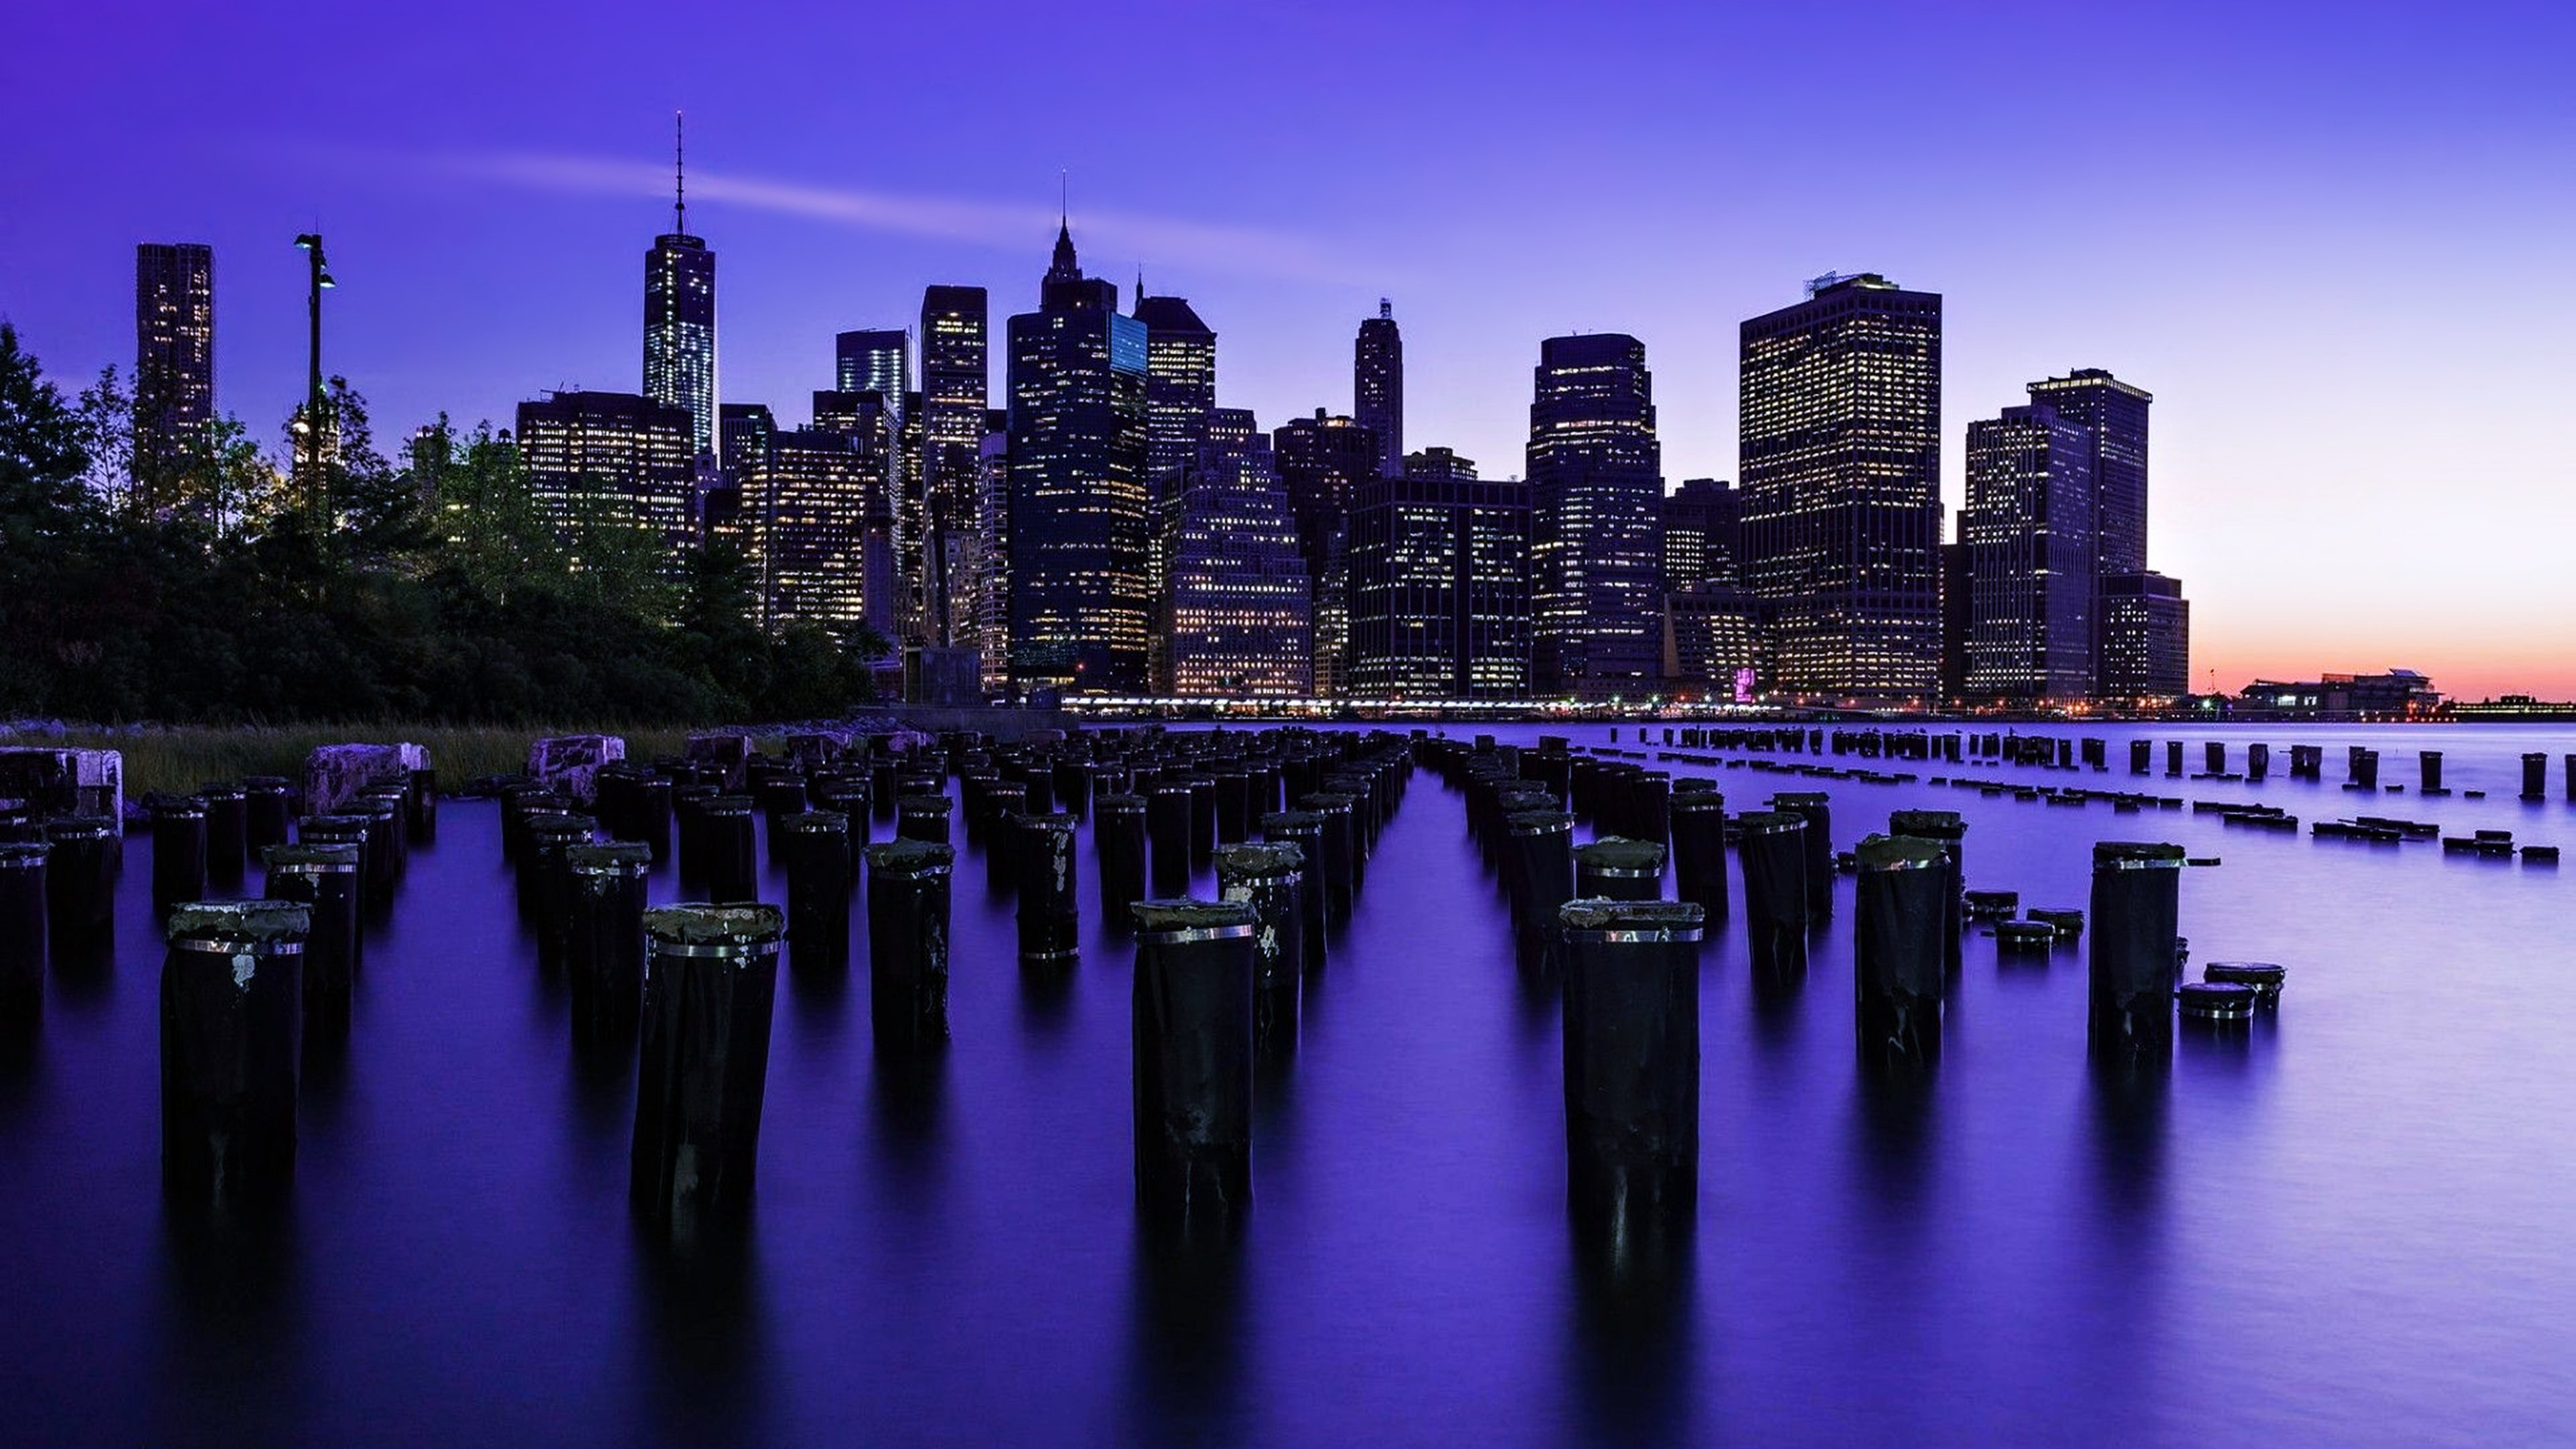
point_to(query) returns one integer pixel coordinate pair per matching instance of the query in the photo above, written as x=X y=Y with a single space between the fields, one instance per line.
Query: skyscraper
x=811 y=491
x=955 y=388
x=743 y=431
x=608 y=460
x=1180 y=389
x=1077 y=486
x=1702 y=519
x=1237 y=617
x=2115 y=414
x=2146 y=633
x=1322 y=461
x=174 y=362
x=1840 y=459
x=877 y=360
x=1439 y=583
x=680 y=323
x=1596 y=494
x=1377 y=386
x=2029 y=532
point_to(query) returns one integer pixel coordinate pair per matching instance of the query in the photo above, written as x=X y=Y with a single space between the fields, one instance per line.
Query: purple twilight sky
x=2332 y=238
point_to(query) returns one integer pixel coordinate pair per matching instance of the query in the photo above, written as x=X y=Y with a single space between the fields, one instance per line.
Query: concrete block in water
x=569 y=764
x=335 y=774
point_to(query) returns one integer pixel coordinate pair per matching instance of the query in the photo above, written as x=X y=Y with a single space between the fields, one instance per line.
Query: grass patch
x=184 y=758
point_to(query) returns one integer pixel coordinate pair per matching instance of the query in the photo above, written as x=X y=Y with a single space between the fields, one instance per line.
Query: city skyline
x=2294 y=424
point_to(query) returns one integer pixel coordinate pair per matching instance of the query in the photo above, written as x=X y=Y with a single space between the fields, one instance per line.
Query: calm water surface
x=2357 y=1227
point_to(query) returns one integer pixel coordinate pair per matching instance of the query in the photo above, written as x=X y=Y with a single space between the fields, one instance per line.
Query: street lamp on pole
x=317 y=500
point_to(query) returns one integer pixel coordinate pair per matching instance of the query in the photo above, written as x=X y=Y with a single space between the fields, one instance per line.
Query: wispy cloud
x=1194 y=245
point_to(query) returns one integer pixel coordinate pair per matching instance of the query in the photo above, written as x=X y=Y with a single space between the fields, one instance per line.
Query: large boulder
x=726 y=750
x=570 y=763
x=334 y=774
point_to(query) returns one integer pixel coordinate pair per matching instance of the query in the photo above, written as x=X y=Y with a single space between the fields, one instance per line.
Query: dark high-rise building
x=1701 y=524
x=680 y=326
x=1439 y=584
x=1180 y=389
x=174 y=362
x=1322 y=461
x=1237 y=614
x=1840 y=462
x=873 y=360
x=1596 y=497
x=1077 y=487
x=2115 y=414
x=1377 y=385
x=1958 y=595
x=955 y=392
x=610 y=459
x=2029 y=531
x=811 y=490
x=743 y=431
x=992 y=554
x=2146 y=632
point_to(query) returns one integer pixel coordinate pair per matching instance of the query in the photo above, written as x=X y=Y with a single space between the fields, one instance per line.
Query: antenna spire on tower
x=679 y=176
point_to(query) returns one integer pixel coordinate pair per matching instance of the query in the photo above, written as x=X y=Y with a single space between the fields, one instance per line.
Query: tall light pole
x=317 y=500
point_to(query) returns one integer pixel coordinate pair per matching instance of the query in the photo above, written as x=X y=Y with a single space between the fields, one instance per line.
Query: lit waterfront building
x=1596 y=497
x=870 y=419
x=2146 y=638
x=1322 y=462
x=1180 y=389
x=1439 y=583
x=991 y=580
x=1377 y=385
x=955 y=394
x=174 y=364
x=1701 y=524
x=1238 y=618
x=2114 y=415
x=1712 y=641
x=610 y=459
x=811 y=491
x=680 y=325
x=1076 y=535
x=1839 y=457
x=2028 y=527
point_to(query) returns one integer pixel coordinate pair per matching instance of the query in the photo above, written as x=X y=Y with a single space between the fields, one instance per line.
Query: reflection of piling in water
x=1615 y=868
x=1191 y=1047
x=1631 y=1027
x=816 y=847
x=1901 y=951
x=1118 y=849
x=908 y=890
x=1304 y=829
x=1699 y=851
x=23 y=908
x=232 y=989
x=324 y=879
x=604 y=935
x=1771 y=850
x=1540 y=876
x=710 y=979
x=1050 y=917
x=1816 y=808
x=2135 y=919
x=1268 y=878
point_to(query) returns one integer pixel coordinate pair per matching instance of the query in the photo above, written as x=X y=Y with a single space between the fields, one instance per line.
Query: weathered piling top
x=306 y=857
x=256 y=923
x=1619 y=855
x=1291 y=820
x=1263 y=861
x=910 y=857
x=1600 y=920
x=1539 y=822
x=1927 y=824
x=1173 y=922
x=817 y=822
x=1769 y=822
x=2136 y=855
x=699 y=923
x=615 y=857
x=1900 y=852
